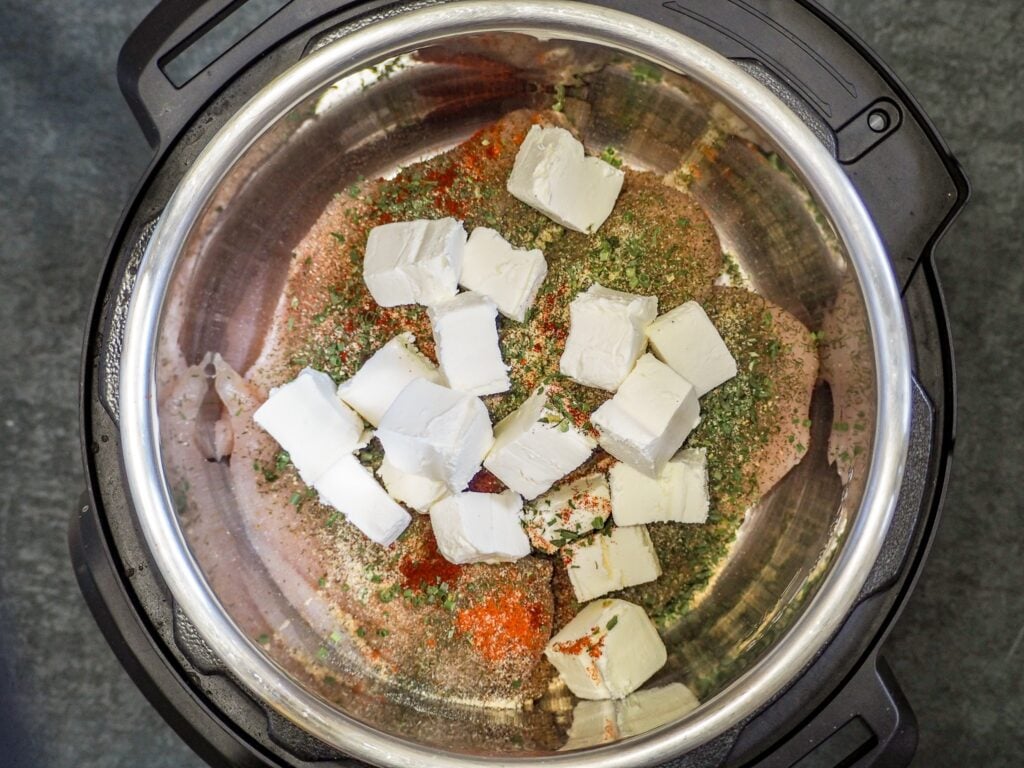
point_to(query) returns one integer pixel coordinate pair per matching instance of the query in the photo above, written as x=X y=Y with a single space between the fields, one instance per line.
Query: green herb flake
x=611 y=623
x=611 y=156
x=646 y=73
x=559 y=103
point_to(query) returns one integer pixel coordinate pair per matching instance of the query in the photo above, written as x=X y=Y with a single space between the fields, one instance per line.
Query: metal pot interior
x=230 y=277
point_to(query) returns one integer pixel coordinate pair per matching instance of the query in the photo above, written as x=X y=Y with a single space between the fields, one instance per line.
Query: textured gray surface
x=69 y=156
x=959 y=648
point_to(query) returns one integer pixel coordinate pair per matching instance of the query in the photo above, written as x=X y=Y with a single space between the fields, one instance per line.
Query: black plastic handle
x=162 y=108
x=170 y=27
x=890 y=151
x=868 y=725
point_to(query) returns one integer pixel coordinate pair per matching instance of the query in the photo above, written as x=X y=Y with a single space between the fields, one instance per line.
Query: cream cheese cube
x=604 y=563
x=607 y=651
x=534 y=448
x=553 y=175
x=638 y=499
x=480 y=528
x=306 y=418
x=698 y=496
x=646 y=710
x=466 y=337
x=510 y=277
x=602 y=722
x=376 y=385
x=350 y=488
x=414 y=491
x=649 y=418
x=607 y=334
x=568 y=512
x=414 y=262
x=593 y=723
x=591 y=570
x=633 y=553
x=688 y=342
x=436 y=432
x=679 y=494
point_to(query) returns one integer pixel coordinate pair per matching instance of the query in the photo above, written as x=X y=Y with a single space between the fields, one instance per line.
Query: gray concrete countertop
x=70 y=154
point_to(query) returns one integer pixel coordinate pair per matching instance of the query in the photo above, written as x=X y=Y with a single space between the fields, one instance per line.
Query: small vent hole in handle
x=868 y=129
x=215 y=39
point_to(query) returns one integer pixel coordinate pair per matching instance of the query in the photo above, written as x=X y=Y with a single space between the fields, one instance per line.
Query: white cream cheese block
x=608 y=650
x=509 y=276
x=649 y=418
x=594 y=722
x=436 y=432
x=553 y=175
x=534 y=447
x=568 y=512
x=480 y=528
x=414 y=491
x=605 y=562
x=688 y=342
x=602 y=722
x=651 y=708
x=679 y=494
x=466 y=337
x=607 y=334
x=350 y=488
x=377 y=383
x=306 y=418
x=414 y=262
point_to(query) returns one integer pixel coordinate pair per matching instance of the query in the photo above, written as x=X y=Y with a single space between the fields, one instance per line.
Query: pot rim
x=151 y=496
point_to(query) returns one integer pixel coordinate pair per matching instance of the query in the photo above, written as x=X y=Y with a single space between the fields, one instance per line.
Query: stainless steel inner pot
x=368 y=100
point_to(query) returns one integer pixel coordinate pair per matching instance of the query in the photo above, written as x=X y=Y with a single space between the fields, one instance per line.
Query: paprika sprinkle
x=505 y=625
x=429 y=569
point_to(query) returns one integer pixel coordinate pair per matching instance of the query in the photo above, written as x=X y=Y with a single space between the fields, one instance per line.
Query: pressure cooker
x=252 y=135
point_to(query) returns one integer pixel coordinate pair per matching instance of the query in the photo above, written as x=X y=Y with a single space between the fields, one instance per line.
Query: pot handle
x=185 y=51
x=887 y=146
x=870 y=724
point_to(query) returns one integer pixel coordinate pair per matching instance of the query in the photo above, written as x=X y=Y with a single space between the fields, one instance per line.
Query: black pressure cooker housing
x=903 y=171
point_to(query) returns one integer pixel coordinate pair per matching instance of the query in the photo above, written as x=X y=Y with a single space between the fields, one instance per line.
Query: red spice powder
x=583 y=644
x=429 y=568
x=505 y=626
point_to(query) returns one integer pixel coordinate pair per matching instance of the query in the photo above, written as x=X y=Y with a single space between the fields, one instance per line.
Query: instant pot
x=829 y=189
